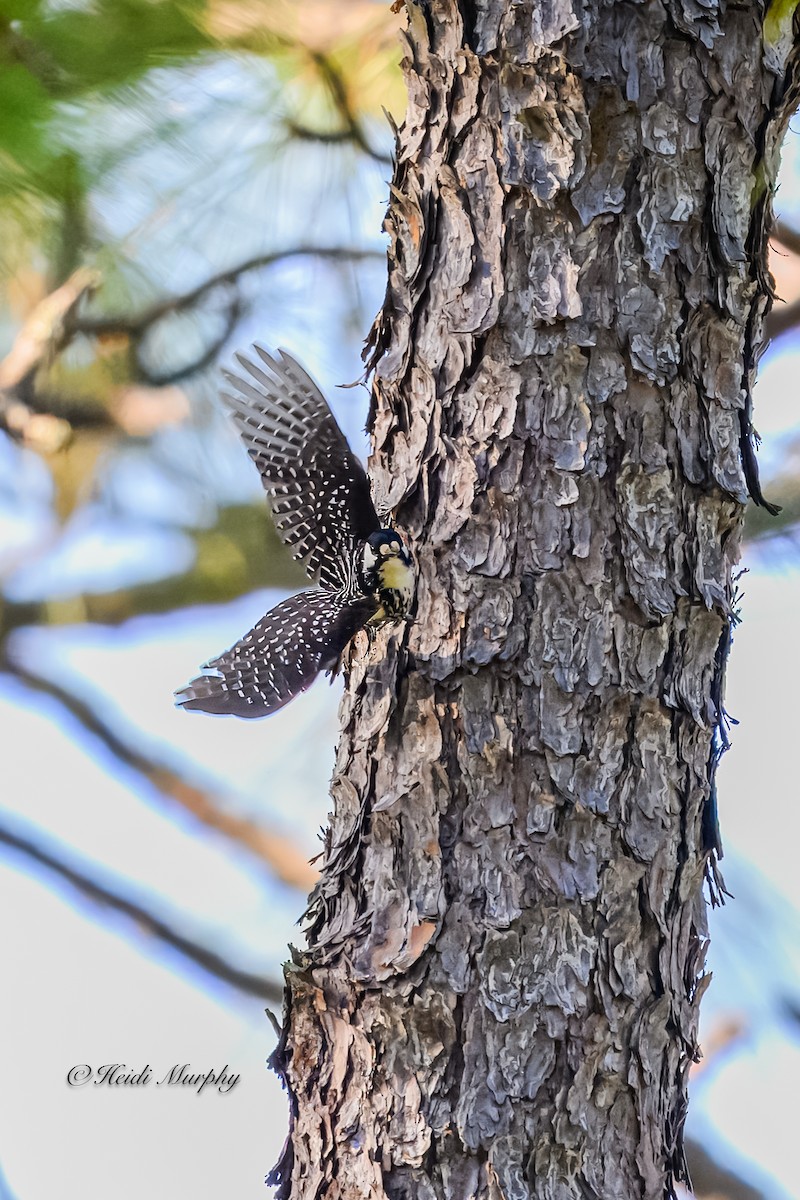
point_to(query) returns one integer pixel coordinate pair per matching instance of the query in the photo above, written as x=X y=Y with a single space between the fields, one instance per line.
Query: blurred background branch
x=272 y=851
x=146 y=921
x=178 y=177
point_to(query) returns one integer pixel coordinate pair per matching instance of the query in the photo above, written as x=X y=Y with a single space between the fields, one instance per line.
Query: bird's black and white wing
x=317 y=489
x=280 y=657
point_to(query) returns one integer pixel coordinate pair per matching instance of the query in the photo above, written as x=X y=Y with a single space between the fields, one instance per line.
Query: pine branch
x=148 y=922
x=138 y=325
x=277 y=853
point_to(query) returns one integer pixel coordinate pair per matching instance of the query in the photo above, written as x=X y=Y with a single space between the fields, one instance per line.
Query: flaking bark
x=506 y=948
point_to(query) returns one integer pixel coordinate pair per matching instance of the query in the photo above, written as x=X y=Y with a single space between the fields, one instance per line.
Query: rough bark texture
x=505 y=962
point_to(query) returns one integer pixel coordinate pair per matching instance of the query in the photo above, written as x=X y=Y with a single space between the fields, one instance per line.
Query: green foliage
x=106 y=44
x=85 y=89
x=48 y=59
x=26 y=108
x=161 y=143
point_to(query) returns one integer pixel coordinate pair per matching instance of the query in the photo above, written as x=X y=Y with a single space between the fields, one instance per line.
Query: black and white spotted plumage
x=317 y=489
x=281 y=656
x=319 y=496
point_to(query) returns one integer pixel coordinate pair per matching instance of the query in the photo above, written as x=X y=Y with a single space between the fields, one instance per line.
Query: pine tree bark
x=500 y=994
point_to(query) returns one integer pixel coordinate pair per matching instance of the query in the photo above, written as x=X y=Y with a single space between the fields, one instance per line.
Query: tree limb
x=256 y=560
x=710 y=1178
x=784 y=317
x=205 y=359
x=327 y=137
x=133 y=325
x=214 y=964
x=353 y=130
x=278 y=853
x=789 y=238
x=55 y=321
x=41 y=336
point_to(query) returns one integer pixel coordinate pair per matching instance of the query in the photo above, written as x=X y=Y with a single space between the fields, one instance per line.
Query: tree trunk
x=500 y=994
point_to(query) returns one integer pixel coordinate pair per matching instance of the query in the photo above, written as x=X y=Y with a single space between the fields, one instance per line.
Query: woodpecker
x=319 y=496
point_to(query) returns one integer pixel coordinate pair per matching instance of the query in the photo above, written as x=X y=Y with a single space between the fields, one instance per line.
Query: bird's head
x=384 y=545
x=387 y=570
